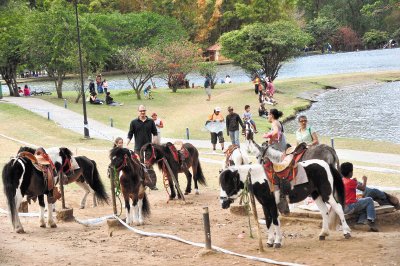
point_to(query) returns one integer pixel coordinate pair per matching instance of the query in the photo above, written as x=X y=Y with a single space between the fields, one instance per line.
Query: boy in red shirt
x=364 y=206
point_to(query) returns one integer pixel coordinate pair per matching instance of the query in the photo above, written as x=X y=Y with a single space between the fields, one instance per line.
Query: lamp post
x=85 y=122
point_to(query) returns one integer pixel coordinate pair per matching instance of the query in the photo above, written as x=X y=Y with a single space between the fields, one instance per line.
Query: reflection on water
x=368 y=113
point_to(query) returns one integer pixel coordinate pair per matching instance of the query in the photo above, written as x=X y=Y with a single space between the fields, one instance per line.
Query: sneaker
x=372 y=226
x=154 y=188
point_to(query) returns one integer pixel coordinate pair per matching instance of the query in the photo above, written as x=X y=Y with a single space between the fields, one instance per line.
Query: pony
x=87 y=176
x=154 y=153
x=324 y=185
x=22 y=178
x=132 y=176
x=236 y=157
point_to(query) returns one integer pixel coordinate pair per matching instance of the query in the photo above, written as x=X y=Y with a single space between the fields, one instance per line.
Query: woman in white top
x=306 y=134
x=276 y=137
x=159 y=125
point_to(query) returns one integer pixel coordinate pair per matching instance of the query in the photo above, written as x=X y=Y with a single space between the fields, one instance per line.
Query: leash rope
x=245 y=198
x=117 y=187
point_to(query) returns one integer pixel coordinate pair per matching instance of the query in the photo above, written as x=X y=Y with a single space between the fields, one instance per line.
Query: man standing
x=207 y=87
x=142 y=128
x=216 y=126
x=232 y=126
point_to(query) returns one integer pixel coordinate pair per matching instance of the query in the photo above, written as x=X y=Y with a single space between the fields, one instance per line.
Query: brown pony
x=153 y=153
x=132 y=179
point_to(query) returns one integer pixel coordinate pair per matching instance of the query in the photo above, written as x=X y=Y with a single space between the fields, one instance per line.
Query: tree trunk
x=59 y=82
x=10 y=77
x=138 y=96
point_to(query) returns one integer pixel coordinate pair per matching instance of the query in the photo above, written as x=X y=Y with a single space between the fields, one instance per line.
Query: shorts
x=208 y=91
x=214 y=136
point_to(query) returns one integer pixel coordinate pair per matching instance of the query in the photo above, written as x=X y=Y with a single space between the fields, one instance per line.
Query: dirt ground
x=74 y=244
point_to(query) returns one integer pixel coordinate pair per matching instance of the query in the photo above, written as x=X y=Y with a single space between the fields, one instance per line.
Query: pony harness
x=228 y=154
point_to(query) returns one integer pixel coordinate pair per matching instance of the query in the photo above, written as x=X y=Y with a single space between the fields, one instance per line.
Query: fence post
x=207 y=231
x=333 y=143
x=48 y=115
x=111 y=122
x=187 y=133
x=65 y=103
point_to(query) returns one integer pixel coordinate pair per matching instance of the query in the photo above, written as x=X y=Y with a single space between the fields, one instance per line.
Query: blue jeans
x=365 y=207
x=377 y=195
x=234 y=135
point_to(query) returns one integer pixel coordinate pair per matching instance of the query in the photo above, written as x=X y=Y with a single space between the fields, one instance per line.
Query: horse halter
x=152 y=158
x=124 y=163
x=236 y=181
x=67 y=162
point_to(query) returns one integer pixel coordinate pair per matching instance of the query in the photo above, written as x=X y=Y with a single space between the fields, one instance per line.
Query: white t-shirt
x=158 y=122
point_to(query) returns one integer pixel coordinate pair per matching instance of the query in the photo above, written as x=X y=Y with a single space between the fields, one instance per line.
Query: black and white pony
x=153 y=153
x=132 y=179
x=86 y=176
x=21 y=178
x=324 y=185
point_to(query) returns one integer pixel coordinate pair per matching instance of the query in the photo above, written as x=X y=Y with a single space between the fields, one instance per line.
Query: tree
x=322 y=29
x=140 y=65
x=179 y=58
x=375 y=39
x=346 y=39
x=12 y=50
x=210 y=69
x=264 y=47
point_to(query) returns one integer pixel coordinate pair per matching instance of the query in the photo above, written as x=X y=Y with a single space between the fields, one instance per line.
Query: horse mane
x=66 y=152
x=27 y=149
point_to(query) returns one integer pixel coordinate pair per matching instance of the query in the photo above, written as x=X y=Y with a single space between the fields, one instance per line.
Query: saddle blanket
x=301 y=176
x=74 y=164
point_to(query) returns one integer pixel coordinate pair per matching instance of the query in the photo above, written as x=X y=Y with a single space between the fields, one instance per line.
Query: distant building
x=213 y=54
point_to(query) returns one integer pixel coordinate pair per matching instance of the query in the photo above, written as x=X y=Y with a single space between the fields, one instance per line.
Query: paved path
x=74 y=121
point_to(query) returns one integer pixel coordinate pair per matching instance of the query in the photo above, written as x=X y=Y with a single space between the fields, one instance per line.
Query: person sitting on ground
x=94 y=100
x=377 y=195
x=262 y=111
x=110 y=100
x=20 y=91
x=147 y=93
x=247 y=117
x=305 y=133
x=269 y=91
x=27 y=91
x=364 y=206
x=228 y=79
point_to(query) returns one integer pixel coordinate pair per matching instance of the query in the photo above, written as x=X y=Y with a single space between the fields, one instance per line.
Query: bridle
x=124 y=163
x=234 y=192
x=152 y=158
x=67 y=162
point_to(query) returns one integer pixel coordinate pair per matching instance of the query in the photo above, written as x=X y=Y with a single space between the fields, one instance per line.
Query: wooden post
x=174 y=179
x=62 y=191
x=207 y=231
x=253 y=207
x=111 y=175
x=333 y=143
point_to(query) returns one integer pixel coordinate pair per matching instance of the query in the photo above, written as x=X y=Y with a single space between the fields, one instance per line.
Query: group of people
x=101 y=84
x=265 y=89
x=26 y=91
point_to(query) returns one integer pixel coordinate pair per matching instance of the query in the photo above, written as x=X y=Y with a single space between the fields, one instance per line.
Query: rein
x=124 y=163
x=152 y=158
x=245 y=198
x=66 y=162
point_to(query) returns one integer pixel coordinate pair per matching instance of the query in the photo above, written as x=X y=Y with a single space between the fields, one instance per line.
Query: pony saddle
x=228 y=153
x=179 y=152
x=287 y=169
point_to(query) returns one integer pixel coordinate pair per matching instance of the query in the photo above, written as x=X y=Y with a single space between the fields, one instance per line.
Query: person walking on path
x=257 y=83
x=305 y=133
x=142 y=128
x=159 y=124
x=216 y=126
x=232 y=126
x=207 y=87
x=364 y=206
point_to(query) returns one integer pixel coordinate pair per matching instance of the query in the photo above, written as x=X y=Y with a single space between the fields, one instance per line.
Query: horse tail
x=96 y=184
x=338 y=187
x=200 y=176
x=338 y=194
x=146 y=206
x=336 y=158
x=10 y=184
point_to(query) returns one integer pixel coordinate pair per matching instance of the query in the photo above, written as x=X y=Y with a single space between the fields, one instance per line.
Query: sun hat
x=217 y=109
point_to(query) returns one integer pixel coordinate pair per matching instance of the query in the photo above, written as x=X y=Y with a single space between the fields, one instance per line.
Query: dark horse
x=153 y=153
x=21 y=178
x=86 y=176
x=132 y=178
x=324 y=185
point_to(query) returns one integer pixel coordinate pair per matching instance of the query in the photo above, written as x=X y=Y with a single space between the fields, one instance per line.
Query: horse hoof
x=53 y=226
x=43 y=225
x=321 y=237
x=270 y=245
x=186 y=193
x=347 y=236
x=197 y=192
x=277 y=245
x=81 y=207
x=20 y=231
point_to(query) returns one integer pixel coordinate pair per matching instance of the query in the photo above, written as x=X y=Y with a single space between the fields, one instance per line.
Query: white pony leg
x=277 y=195
x=140 y=215
x=41 y=217
x=136 y=214
x=85 y=187
x=94 y=198
x=128 y=216
x=278 y=235
x=337 y=207
x=50 y=219
x=18 y=199
x=271 y=236
x=324 y=213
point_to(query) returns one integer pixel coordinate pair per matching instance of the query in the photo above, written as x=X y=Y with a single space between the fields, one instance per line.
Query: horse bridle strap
x=124 y=163
x=152 y=158
x=66 y=162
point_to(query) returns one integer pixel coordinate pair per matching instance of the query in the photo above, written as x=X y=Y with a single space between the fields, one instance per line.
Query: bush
x=375 y=39
x=346 y=39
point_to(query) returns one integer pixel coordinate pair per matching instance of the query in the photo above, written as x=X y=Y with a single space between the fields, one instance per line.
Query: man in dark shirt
x=232 y=126
x=142 y=128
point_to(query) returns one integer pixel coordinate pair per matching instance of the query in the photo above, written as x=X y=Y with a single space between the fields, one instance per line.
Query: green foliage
x=375 y=39
x=264 y=47
x=322 y=29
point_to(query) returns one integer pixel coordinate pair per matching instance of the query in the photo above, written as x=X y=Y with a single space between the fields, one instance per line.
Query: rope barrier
x=94 y=221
